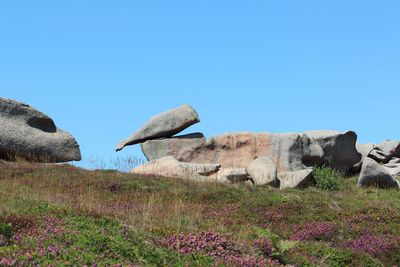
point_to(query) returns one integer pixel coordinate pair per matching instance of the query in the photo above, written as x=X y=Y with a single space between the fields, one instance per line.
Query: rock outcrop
x=340 y=151
x=282 y=160
x=32 y=135
x=374 y=174
x=288 y=151
x=162 y=125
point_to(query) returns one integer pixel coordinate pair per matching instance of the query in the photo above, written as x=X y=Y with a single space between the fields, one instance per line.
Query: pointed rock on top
x=165 y=124
x=32 y=135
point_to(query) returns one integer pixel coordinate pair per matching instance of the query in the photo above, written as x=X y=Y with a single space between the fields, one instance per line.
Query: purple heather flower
x=314 y=231
x=375 y=244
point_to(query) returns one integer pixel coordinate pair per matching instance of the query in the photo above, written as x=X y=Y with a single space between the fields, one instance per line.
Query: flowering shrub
x=375 y=244
x=264 y=245
x=216 y=246
x=314 y=231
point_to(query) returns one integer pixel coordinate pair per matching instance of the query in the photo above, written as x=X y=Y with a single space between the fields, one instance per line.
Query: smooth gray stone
x=394 y=160
x=32 y=135
x=364 y=150
x=295 y=179
x=180 y=145
x=263 y=171
x=385 y=151
x=374 y=174
x=165 y=124
x=393 y=166
x=339 y=149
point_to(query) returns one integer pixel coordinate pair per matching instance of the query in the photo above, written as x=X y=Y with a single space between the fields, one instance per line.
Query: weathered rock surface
x=180 y=147
x=378 y=155
x=339 y=149
x=32 y=135
x=385 y=151
x=393 y=166
x=230 y=175
x=364 y=150
x=263 y=171
x=288 y=151
x=374 y=174
x=170 y=167
x=295 y=179
x=162 y=125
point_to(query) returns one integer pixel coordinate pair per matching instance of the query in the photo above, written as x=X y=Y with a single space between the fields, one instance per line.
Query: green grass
x=108 y=218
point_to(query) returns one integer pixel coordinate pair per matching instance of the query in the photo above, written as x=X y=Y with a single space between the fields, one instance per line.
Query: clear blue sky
x=102 y=68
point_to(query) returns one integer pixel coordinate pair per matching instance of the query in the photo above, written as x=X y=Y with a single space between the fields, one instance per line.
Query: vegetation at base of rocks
x=62 y=215
x=326 y=178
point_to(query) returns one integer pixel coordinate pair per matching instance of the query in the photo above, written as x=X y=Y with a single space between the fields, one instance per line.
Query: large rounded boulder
x=32 y=135
x=340 y=151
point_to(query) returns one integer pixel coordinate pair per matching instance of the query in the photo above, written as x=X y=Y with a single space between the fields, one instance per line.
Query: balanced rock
x=170 y=167
x=295 y=179
x=162 y=125
x=262 y=171
x=339 y=149
x=374 y=174
x=288 y=151
x=32 y=135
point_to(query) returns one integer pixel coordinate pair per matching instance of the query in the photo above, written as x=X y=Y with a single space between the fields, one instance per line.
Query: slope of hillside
x=62 y=215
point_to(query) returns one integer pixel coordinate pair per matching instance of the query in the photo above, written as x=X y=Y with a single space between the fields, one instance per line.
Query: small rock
x=295 y=179
x=262 y=171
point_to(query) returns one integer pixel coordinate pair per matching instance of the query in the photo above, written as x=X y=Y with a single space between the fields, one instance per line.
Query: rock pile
x=29 y=134
x=283 y=160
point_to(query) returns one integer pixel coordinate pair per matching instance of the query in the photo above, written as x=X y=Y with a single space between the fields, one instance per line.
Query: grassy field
x=61 y=215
